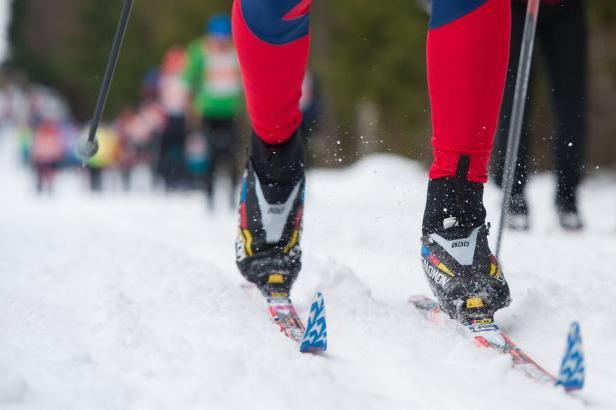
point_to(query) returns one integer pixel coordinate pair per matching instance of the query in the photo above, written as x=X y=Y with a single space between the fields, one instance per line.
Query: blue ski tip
x=315 y=336
x=571 y=375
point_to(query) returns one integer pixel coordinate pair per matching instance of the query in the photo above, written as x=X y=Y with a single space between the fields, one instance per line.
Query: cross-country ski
x=485 y=333
x=312 y=337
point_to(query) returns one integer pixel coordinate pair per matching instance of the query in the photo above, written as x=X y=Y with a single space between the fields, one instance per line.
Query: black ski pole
x=517 y=113
x=87 y=147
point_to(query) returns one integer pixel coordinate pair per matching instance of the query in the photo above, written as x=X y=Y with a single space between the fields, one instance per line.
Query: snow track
x=134 y=302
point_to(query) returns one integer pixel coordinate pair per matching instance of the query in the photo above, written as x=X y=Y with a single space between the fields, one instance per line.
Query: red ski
x=488 y=334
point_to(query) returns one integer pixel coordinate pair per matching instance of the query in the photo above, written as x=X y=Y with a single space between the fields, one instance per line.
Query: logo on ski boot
x=462 y=250
x=436 y=275
x=434 y=268
x=277 y=209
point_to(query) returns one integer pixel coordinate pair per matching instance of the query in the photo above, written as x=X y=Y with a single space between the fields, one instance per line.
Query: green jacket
x=214 y=80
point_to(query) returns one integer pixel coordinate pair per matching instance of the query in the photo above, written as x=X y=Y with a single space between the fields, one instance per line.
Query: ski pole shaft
x=89 y=147
x=517 y=113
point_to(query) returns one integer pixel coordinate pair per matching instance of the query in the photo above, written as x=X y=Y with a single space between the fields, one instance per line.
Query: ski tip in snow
x=571 y=375
x=315 y=337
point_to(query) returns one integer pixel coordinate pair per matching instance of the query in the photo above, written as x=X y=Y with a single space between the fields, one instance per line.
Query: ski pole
x=517 y=113
x=87 y=148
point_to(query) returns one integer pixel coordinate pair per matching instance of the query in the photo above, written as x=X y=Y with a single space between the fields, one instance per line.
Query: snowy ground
x=133 y=302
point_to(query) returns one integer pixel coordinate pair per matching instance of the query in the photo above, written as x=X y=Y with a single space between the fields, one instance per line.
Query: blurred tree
x=602 y=149
x=369 y=54
x=376 y=55
x=69 y=47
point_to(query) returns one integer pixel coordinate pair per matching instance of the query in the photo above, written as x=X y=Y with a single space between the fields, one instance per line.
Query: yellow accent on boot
x=445 y=269
x=493 y=270
x=474 y=303
x=275 y=279
x=248 y=241
x=292 y=242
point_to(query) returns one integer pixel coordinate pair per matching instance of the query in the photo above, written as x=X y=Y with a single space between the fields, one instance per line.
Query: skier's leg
x=467 y=54
x=564 y=42
x=40 y=179
x=518 y=207
x=232 y=158
x=208 y=177
x=272 y=39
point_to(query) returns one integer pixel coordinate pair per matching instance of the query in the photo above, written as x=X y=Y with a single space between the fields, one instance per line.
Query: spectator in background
x=212 y=73
x=562 y=37
x=25 y=138
x=173 y=98
x=106 y=157
x=47 y=154
x=150 y=86
x=148 y=125
x=128 y=157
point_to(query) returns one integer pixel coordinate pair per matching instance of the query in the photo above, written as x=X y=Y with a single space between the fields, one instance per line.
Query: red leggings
x=467 y=54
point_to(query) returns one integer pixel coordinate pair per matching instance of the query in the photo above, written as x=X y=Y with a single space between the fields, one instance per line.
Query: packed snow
x=132 y=301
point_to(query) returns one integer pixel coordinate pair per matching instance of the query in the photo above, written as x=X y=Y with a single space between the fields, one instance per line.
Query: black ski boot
x=568 y=214
x=271 y=208
x=519 y=219
x=464 y=275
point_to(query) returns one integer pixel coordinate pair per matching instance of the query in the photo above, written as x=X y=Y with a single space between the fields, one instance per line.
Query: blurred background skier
x=173 y=97
x=47 y=153
x=213 y=75
x=150 y=124
x=562 y=40
x=467 y=55
x=106 y=158
x=129 y=150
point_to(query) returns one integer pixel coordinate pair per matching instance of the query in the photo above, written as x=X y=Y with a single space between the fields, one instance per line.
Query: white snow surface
x=132 y=301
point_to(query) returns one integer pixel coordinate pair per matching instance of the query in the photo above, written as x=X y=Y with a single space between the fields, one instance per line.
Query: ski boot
x=463 y=273
x=271 y=208
x=518 y=213
x=568 y=214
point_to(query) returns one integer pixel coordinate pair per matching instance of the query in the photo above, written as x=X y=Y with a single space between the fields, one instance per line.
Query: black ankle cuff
x=448 y=198
x=279 y=167
x=454 y=197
